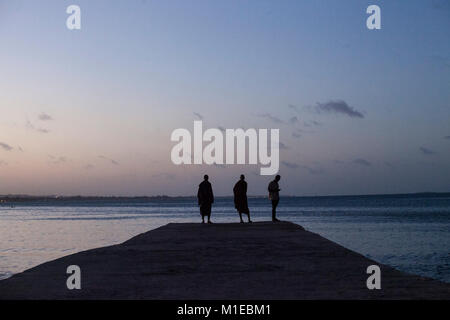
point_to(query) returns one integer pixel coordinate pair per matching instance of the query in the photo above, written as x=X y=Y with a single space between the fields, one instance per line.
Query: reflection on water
x=411 y=234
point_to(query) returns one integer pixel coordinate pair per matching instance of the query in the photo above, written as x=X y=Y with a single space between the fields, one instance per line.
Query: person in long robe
x=205 y=198
x=240 y=198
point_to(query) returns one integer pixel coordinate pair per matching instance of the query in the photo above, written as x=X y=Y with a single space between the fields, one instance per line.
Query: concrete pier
x=262 y=260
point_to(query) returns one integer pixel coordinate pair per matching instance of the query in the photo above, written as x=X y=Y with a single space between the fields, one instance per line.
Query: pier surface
x=190 y=261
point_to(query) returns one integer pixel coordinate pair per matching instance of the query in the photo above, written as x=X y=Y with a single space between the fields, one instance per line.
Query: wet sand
x=262 y=260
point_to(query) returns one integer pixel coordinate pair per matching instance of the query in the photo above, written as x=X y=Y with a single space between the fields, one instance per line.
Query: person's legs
x=274 y=210
x=202 y=212
x=240 y=217
x=209 y=212
x=248 y=214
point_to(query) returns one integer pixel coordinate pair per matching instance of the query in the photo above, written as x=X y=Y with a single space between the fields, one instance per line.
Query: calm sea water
x=411 y=233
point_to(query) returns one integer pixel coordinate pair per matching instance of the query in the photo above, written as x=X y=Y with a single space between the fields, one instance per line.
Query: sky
x=91 y=111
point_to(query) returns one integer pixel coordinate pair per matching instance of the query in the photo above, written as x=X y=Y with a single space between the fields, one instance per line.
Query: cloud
x=362 y=162
x=271 y=118
x=164 y=175
x=442 y=61
x=114 y=162
x=427 y=151
x=338 y=106
x=5 y=146
x=44 y=117
x=313 y=170
x=57 y=160
x=296 y=134
x=37 y=129
x=293 y=120
x=388 y=164
x=198 y=115
x=290 y=165
x=219 y=165
x=88 y=166
x=440 y=5
x=447 y=137
x=282 y=146
x=295 y=108
x=221 y=129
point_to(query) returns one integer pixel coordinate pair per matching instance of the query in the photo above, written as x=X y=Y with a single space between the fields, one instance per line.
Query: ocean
x=408 y=232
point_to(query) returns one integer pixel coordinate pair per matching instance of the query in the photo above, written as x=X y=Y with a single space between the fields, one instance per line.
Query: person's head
x=242 y=177
x=277 y=178
x=206 y=177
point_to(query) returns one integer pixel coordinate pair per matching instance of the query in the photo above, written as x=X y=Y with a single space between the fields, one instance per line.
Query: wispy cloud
x=427 y=151
x=271 y=117
x=5 y=146
x=44 y=117
x=37 y=129
x=290 y=165
x=294 y=108
x=88 y=166
x=296 y=134
x=164 y=175
x=362 y=162
x=198 y=116
x=282 y=146
x=313 y=170
x=293 y=120
x=447 y=137
x=114 y=162
x=3 y=163
x=388 y=164
x=339 y=107
x=442 y=61
x=57 y=160
x=440 y=5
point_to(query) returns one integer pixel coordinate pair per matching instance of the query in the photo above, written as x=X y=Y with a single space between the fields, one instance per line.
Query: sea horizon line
x=25 y=197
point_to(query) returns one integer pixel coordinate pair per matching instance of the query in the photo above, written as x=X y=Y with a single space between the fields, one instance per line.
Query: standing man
x=274 y=195
x=205 y=198
x=240 y=198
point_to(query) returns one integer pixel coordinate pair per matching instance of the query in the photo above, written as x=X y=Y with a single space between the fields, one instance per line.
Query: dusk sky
x=91 y=111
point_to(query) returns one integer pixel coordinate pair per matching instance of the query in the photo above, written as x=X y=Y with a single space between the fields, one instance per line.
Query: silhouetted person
x=274 y=195
x=240 y=198
x=205 y=198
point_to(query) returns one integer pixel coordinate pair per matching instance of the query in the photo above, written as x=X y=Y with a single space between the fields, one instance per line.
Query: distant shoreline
x=13 y=198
